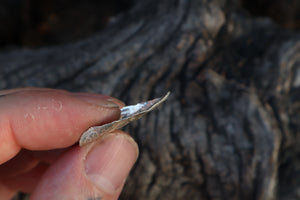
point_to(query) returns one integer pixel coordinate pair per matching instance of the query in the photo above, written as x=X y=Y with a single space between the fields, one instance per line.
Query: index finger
x=43 y=119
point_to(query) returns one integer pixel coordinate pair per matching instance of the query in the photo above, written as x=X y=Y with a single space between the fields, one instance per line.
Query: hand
x=39 y=154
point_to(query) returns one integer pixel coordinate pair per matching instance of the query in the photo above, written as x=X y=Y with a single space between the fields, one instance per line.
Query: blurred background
x=33 y=23
x=231 y=127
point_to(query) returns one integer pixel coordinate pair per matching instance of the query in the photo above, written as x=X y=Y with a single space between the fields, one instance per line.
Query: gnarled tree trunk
x=231 y=126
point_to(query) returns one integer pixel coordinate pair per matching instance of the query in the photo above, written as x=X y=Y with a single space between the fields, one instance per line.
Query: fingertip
x=46 y=119
x=93 y=98
x=96 y=170
x=118 y=154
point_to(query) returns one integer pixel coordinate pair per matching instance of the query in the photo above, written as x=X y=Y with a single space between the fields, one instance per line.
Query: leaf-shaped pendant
x=128 y=114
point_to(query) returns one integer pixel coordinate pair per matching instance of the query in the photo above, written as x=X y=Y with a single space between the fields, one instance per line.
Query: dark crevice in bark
x=202 y=171
x=183 y=72
x=174 y=136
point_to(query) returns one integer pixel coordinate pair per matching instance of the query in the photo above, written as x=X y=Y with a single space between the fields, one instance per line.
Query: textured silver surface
x=128 y=114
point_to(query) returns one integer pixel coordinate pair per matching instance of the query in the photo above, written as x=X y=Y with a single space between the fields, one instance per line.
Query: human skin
x=39 y=152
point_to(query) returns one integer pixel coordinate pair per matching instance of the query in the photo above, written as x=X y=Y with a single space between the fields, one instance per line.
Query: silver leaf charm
x=128 y=114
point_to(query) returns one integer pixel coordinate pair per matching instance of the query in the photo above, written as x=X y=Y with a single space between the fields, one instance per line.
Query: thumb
x=94 y=171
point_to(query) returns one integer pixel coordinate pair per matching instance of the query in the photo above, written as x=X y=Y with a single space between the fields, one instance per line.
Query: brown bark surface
x=229 y=130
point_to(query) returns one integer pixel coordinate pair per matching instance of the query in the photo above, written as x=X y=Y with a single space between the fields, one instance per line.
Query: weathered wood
x=229 y=130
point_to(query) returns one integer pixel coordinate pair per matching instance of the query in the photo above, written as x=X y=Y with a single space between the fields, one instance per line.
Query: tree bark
x=230 y=128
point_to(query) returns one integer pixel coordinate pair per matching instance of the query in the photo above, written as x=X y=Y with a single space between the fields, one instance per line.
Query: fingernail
x=98 y=101
x=117 y=101
x=110 y=161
